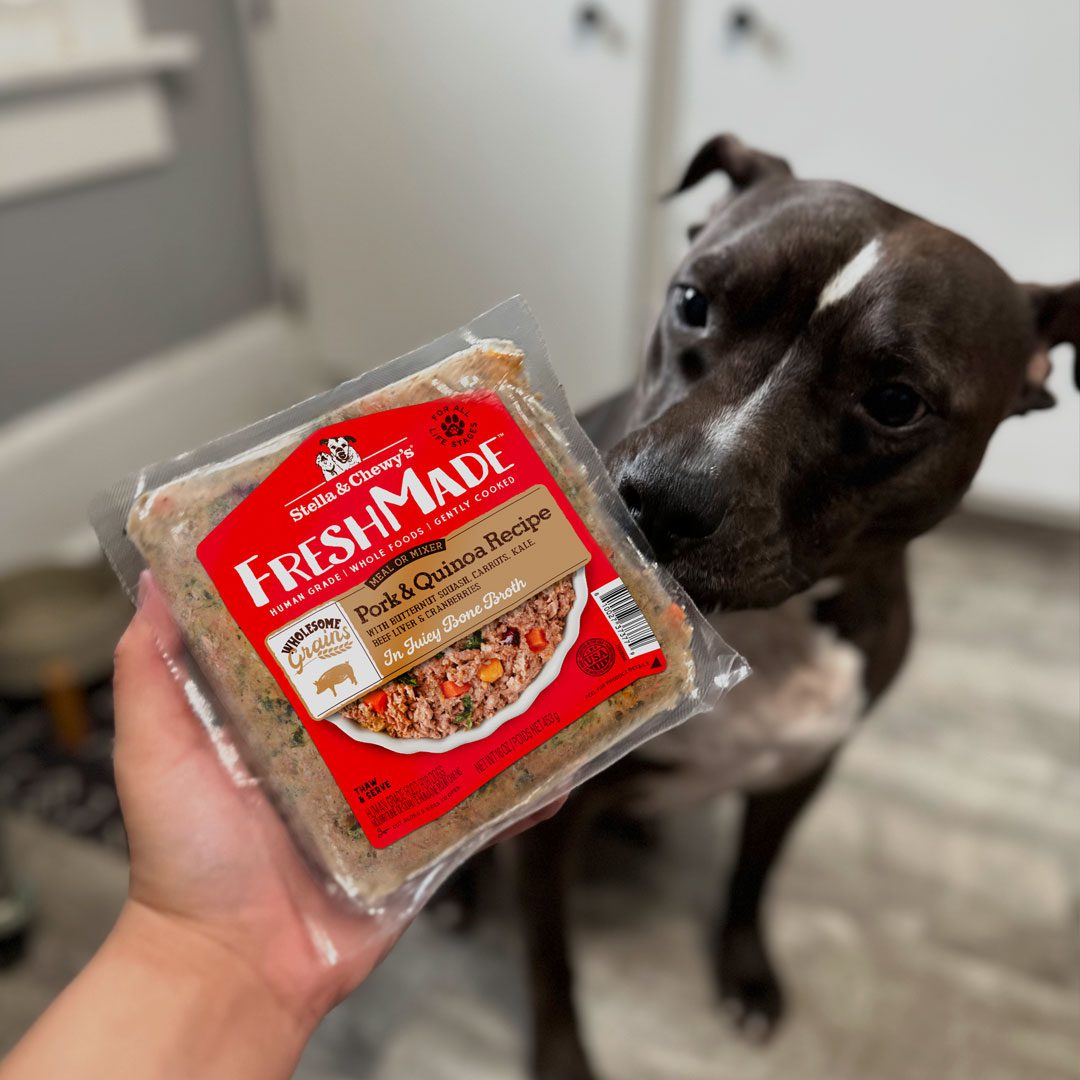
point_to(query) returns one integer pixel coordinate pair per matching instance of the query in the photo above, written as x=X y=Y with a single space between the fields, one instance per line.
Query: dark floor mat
x=70 y=789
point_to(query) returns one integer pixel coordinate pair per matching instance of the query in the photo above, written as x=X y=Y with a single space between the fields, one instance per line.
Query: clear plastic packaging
x=157 y=517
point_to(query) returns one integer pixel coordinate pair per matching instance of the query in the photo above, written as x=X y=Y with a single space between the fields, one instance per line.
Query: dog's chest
x=802 y=699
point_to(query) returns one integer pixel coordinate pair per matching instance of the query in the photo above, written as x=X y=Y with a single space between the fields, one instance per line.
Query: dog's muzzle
x=671 y=504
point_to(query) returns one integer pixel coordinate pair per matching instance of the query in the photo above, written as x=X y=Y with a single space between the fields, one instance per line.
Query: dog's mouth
x=749 y=587
x=341 y=455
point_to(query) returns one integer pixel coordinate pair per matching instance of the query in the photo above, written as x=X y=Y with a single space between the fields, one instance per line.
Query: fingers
x=535 y=818
x=543 y=813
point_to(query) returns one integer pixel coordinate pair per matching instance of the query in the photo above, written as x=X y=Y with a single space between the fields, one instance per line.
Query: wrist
x=212 y=989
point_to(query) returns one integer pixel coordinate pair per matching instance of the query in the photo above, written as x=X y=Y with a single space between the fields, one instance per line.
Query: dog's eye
x=894 y=405
x=691 y=306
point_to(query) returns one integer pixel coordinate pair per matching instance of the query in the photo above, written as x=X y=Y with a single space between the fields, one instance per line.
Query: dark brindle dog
x=819 y=390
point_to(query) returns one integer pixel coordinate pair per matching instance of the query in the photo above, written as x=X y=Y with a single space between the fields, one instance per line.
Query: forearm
x=161 y=1000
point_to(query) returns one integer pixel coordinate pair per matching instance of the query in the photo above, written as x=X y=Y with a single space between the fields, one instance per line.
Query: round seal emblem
x=595 y=656
x=453 y=425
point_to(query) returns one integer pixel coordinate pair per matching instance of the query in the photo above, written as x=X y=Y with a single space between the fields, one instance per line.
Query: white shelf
x=158 y=55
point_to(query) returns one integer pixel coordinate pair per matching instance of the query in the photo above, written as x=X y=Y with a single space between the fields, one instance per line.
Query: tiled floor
x=926 y=916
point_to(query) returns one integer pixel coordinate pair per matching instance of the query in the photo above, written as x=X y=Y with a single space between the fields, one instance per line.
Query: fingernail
x=143 y=587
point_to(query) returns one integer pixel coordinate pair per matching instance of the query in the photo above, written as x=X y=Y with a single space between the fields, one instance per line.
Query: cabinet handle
x=591 y=18
x=594 y=21
x=744 y=28
x=742 y=21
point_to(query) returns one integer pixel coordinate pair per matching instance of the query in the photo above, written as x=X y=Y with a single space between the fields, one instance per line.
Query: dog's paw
x=750 y=992
x=561 y=1058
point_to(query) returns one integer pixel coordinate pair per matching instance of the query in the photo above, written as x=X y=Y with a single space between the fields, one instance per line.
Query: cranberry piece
x=510 y=636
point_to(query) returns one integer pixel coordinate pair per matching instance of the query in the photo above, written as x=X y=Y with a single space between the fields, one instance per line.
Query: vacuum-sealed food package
x=415 y=607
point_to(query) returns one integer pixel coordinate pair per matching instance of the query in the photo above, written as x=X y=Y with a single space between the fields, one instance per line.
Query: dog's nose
x=668 y=508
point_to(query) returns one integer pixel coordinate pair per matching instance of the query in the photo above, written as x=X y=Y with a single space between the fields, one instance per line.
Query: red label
x=429 y=602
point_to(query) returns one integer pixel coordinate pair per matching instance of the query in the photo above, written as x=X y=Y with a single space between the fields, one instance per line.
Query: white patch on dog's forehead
x=732 y=424
x=848 y=277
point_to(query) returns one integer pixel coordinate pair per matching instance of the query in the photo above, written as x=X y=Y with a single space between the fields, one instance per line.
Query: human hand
x=227 y=952
x=212 y=867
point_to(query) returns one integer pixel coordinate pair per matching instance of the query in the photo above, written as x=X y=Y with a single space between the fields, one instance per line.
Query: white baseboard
x=54 y=459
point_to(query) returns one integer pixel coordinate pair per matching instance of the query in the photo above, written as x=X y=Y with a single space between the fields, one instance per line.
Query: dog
x=327 y=464
x=819 y=389
x=340 y=454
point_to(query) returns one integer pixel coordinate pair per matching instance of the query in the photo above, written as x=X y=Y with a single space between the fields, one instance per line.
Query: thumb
x=154 y=722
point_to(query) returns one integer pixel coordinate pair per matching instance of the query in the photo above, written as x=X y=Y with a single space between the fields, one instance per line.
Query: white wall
x=430 y=159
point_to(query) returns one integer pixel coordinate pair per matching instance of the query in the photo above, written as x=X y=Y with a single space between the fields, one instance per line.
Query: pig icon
x=333 y=677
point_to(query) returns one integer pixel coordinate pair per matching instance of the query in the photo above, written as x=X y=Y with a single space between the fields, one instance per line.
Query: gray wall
x=95 y=277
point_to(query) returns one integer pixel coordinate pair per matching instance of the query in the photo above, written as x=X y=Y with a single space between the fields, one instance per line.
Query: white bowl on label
x=547 y=676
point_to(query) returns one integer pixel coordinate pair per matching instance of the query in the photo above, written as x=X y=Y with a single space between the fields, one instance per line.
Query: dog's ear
x=1056 y=313
x=349 y=439
x=324 y=442
x=728 y=154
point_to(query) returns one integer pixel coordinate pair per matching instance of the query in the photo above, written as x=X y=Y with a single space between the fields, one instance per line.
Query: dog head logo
x=339 y=455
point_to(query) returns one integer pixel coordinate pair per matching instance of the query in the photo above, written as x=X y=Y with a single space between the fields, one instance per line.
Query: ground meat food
x=496 y=665
x=167 y=524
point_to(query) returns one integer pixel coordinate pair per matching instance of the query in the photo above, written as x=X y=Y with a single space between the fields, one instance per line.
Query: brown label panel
x=441 y=591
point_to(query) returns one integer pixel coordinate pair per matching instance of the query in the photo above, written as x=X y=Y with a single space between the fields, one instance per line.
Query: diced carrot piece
x=377 y=701
x=491 y=670
x=677 y=613
x=536 y=639
x=453 y=689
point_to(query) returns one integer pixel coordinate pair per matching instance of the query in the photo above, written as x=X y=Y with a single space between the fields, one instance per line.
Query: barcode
x=622 y=611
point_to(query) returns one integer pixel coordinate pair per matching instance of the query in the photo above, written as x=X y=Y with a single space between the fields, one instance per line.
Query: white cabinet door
x=444 y=156
x=965 y=112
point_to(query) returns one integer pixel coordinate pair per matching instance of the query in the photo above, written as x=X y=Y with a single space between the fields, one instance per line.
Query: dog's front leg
x=749 y=987
x=543 y=866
